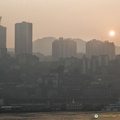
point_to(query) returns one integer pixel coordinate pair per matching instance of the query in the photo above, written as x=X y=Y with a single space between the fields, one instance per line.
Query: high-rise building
x=103 y=60
x=86 y=65
x=93 y=48
x=23 y=38
x=97 y=48
x=3 y=49
x=109 y=49
x=94 y=64
x=64 y=48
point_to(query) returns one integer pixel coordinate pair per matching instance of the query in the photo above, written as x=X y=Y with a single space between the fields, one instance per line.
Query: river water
x=61 y=116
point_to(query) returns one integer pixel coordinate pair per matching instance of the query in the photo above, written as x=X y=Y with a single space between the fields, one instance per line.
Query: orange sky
x=86 y=19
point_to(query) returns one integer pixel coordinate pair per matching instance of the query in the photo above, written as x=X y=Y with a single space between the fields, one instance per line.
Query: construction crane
x=0 y=19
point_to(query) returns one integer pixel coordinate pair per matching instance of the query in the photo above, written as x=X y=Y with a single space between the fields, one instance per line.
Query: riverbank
x=60 y=116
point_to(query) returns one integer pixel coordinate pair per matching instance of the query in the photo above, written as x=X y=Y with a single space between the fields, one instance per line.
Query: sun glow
x=112 y=33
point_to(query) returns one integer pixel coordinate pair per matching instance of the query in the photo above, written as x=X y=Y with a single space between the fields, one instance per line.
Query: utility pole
x=0 y=19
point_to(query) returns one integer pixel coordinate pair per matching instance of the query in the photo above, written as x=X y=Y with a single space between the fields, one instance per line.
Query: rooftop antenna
x=0 y=19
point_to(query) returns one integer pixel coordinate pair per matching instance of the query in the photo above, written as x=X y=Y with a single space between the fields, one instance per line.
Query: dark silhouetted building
x=64 y=48
x=103 y=60
x=23 y=38
x=94 y=64
x=3 y=49
x=27 y=59
x=86 y=65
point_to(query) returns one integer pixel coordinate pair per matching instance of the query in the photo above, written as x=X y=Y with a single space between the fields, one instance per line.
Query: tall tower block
x=23 y=38
x=3 y=49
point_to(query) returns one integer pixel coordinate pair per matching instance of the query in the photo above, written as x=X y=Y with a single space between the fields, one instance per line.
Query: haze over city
x=84 y=19
x=60 y=56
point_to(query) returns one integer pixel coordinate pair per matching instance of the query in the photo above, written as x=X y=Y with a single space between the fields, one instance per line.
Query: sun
x=112 y=33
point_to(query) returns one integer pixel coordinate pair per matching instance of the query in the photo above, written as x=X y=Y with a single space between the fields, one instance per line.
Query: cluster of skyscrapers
x=61 y=48
x=65 y=48
x=23 y=39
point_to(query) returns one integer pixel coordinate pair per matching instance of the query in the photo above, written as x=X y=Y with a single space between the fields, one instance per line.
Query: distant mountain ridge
x=43 y=45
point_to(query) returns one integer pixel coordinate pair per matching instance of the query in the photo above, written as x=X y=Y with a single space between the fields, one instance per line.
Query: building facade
x=23 y=38
x=64 y=48
x=3 y=49
x=97 y=48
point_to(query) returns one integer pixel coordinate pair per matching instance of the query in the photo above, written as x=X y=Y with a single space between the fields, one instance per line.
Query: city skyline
x=75 y=19
x=60 y=57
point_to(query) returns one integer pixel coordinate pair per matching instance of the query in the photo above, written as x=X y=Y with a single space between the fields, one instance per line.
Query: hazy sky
x=86 y=19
